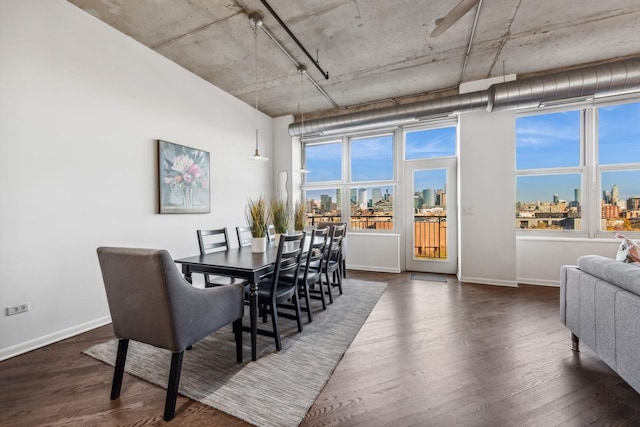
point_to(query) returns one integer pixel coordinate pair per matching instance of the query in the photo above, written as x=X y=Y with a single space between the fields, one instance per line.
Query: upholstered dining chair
x=211 y=241
x=151 y=302
x=273 y=289
x=244 y=236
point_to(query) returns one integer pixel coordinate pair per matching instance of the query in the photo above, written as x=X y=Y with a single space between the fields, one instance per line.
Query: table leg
x=187 y=277
x=253 y=314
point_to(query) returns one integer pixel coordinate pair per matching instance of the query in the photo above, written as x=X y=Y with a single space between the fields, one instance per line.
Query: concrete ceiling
x=377 y=52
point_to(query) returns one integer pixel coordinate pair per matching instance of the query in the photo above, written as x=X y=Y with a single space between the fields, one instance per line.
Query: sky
x=553 y=140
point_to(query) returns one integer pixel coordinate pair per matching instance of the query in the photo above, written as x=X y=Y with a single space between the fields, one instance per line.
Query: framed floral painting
x=184 y=179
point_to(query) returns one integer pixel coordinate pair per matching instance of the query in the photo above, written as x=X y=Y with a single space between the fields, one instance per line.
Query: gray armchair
x=151 y=302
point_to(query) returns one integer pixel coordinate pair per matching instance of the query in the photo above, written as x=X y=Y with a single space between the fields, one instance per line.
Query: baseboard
x=27 y=346
x=482 y=281
x=538 y=282
x=370 y=268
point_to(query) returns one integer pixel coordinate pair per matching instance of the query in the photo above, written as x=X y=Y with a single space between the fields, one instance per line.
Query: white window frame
x=591 y=190
x=345 y=184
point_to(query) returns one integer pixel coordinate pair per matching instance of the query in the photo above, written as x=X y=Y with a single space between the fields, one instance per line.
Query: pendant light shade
x=256 y=20
x=302 y=70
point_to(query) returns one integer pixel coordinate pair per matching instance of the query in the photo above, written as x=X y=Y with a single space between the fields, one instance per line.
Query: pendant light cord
x=255 y=64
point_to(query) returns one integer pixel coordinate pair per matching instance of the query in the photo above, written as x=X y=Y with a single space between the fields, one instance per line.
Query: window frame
x=582 y=168
x=591 y=171
x=345 y=184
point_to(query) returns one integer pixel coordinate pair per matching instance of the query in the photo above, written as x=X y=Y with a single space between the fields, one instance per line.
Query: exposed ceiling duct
x=575 y=85
x=402 y=113
x=583 y=83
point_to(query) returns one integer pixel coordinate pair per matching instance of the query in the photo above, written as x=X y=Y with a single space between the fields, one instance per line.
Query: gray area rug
x=429 y=277
x=279 y=388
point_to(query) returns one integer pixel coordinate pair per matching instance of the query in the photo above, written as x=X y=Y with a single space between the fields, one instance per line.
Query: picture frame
x=183 y=179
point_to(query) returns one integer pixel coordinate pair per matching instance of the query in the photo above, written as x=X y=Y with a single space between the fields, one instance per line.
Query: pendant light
x=256 y=20
x=302 y=70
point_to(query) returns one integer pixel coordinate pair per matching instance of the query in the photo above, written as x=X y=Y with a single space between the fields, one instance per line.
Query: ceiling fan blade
x=456 y=13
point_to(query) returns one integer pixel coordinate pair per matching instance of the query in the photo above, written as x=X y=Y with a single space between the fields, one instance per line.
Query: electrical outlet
x=20 y=308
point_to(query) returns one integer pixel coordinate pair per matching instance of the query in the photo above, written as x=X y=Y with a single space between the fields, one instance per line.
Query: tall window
x=549 y=178
x=619 y=166
x=579 y=169
x=366 y=178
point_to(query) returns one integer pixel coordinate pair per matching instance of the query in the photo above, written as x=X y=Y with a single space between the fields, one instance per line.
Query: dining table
x=236 y=262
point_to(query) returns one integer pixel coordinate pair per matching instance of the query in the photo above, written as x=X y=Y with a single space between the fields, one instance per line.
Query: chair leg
x=237 y=330
x=322 y=298
x=339 y=282
x=274 y=322
x=329 y=287
x=296 y=305
x=172 y=387
x=118 y=372
x=307 y=301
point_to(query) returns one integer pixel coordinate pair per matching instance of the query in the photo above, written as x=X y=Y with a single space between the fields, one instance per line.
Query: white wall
x=539 y=259
x=81 y=107
x=486 y=180
x=283 y=156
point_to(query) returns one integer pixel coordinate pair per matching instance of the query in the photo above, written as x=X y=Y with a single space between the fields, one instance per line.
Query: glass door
x=431 y=228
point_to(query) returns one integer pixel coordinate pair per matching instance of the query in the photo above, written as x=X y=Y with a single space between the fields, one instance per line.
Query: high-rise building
x=429 y=197
x=376 y=196
x=577 y=195
x=556 y=198
x=362 y=198
x=325 y=203
x=615 y=195
x=633 y=203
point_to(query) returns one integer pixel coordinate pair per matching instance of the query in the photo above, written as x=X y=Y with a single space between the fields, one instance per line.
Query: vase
x=259 y=244
x=187 y=197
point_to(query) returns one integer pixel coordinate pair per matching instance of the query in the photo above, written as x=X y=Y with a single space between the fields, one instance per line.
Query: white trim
x=374 y=268
x=34 y=344
x=538 y=282
x=481 y=281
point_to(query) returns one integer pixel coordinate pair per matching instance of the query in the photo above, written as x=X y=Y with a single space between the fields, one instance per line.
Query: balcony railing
x=430 y=237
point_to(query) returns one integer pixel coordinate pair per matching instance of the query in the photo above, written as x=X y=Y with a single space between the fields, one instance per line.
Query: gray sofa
x=600 y=304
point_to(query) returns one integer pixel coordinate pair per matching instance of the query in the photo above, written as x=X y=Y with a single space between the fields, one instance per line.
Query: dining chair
x=244 y=236
x=333 y=260
x=152 y=303
x=211 y=241
x=343 y=264
x=273 y=289
x=311 y=272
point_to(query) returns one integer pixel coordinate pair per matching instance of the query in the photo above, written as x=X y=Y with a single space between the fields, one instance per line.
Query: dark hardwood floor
x=430 y=354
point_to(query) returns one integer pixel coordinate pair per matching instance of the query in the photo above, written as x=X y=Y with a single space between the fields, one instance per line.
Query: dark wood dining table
x=236 y=262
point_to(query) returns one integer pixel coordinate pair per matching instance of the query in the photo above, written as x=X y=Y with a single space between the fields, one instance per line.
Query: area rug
x=277 y=389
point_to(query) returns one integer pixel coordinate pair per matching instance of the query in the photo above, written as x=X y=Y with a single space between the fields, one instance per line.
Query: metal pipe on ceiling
x=593 y=81
x=396 y=114
x=298 y=65
x=599 y=80
x=294 y=38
